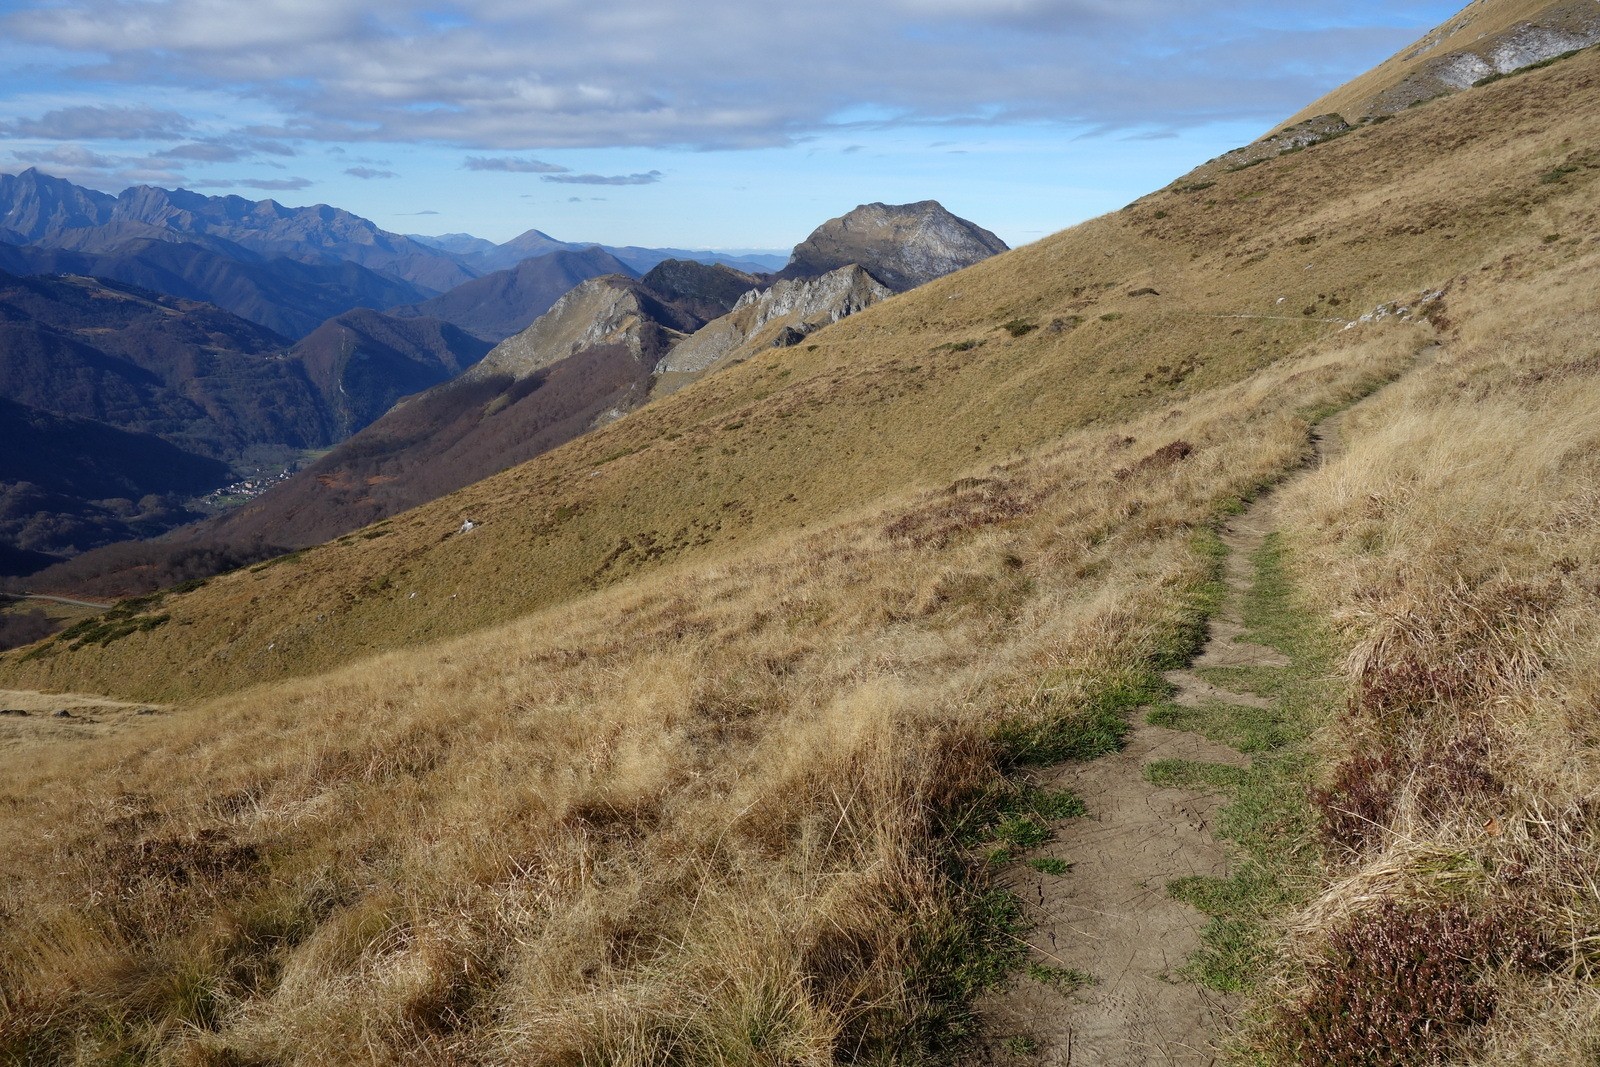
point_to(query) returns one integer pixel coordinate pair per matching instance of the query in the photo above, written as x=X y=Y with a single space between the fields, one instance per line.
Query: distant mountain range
x=291 y=269
x=606 y=347
x=498 y=305
x=176 y=396
x=241 y=335
x=57 y=214
x=285 y=295
x=488 y=256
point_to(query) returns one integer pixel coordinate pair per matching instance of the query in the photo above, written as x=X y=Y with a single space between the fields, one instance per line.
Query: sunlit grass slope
x=1455 y=550
x=1190 y=288
x=744 y=668
x=702 y=818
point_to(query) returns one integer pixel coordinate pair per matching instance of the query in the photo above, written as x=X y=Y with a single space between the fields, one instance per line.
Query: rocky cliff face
x=782 y=314
x=600 y=311
x=903 y=246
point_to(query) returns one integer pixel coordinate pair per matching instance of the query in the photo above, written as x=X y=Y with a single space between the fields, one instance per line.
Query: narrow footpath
x=1110 y=916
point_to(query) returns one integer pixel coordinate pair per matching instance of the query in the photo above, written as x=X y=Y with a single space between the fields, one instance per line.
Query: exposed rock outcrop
x=901 y=245
x=788 y=308
x=1487 y=38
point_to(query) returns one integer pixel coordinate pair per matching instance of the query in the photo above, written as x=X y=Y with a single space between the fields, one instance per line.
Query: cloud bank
x=519 y=75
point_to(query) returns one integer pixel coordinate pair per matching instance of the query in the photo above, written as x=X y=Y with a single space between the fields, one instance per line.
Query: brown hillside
x=826 y=637
x=1187 y=289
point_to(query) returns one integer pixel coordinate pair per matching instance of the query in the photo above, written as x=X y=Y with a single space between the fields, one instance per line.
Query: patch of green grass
x=1269 y=814
x=1270 y=616
x=1021 y=1045
x=1065 y=979
x=974 y=947
x=1192 y=774
x=1050 y=865
x=125 y=617
x=1258 y=681
x=1009 y=821
x=1019 y=327
x=1083 y=730
x=1111 y=316
x=1239 y=726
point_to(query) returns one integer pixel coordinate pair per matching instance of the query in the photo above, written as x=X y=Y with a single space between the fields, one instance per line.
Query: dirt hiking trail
x=1110 y=916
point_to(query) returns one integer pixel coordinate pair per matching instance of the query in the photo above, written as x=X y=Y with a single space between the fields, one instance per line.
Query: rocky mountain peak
x=901 y=245
x=34 y=204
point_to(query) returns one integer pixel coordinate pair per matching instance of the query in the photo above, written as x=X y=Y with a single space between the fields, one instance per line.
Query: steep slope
x=590 y=355
x=34 y=205
x=868 y=605
x=362 y=361
x=1187 y=289
x=124 y=367
x=498 y=305
x=901 y=245
x=205 y=380
x=286 y=296
x=1488 y=37
x=70 y=484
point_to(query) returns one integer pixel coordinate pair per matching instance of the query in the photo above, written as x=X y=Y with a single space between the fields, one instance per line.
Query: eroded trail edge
x=1109 y=915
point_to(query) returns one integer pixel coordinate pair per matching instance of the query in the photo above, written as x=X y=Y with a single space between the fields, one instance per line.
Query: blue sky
x=711 y=124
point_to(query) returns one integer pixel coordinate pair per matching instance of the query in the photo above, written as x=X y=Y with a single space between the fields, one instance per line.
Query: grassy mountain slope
x=1487 y=37
x=721 y=812
x=1057 y=336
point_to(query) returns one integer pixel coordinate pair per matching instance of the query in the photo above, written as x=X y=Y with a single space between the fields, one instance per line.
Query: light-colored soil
x=1111 y=916
x=29 y=718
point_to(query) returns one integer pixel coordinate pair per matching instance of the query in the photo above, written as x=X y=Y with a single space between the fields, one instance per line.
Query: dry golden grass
x=1454 y=547
x=695 y=820
x=678 y=797
x=1247 y=270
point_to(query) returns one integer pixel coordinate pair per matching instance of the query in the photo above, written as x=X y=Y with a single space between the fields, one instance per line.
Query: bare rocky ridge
x=1487 y=38
x=781 y=314
x=901 y=245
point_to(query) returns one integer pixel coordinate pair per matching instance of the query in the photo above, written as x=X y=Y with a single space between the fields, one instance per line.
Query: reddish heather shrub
x=1403 y=984
x=1358 y=803
x=1165 y=456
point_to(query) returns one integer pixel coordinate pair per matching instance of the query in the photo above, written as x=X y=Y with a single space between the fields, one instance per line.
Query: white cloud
x=604 y=179
x=100 y=123
x=512 y=165
x=525 y=75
